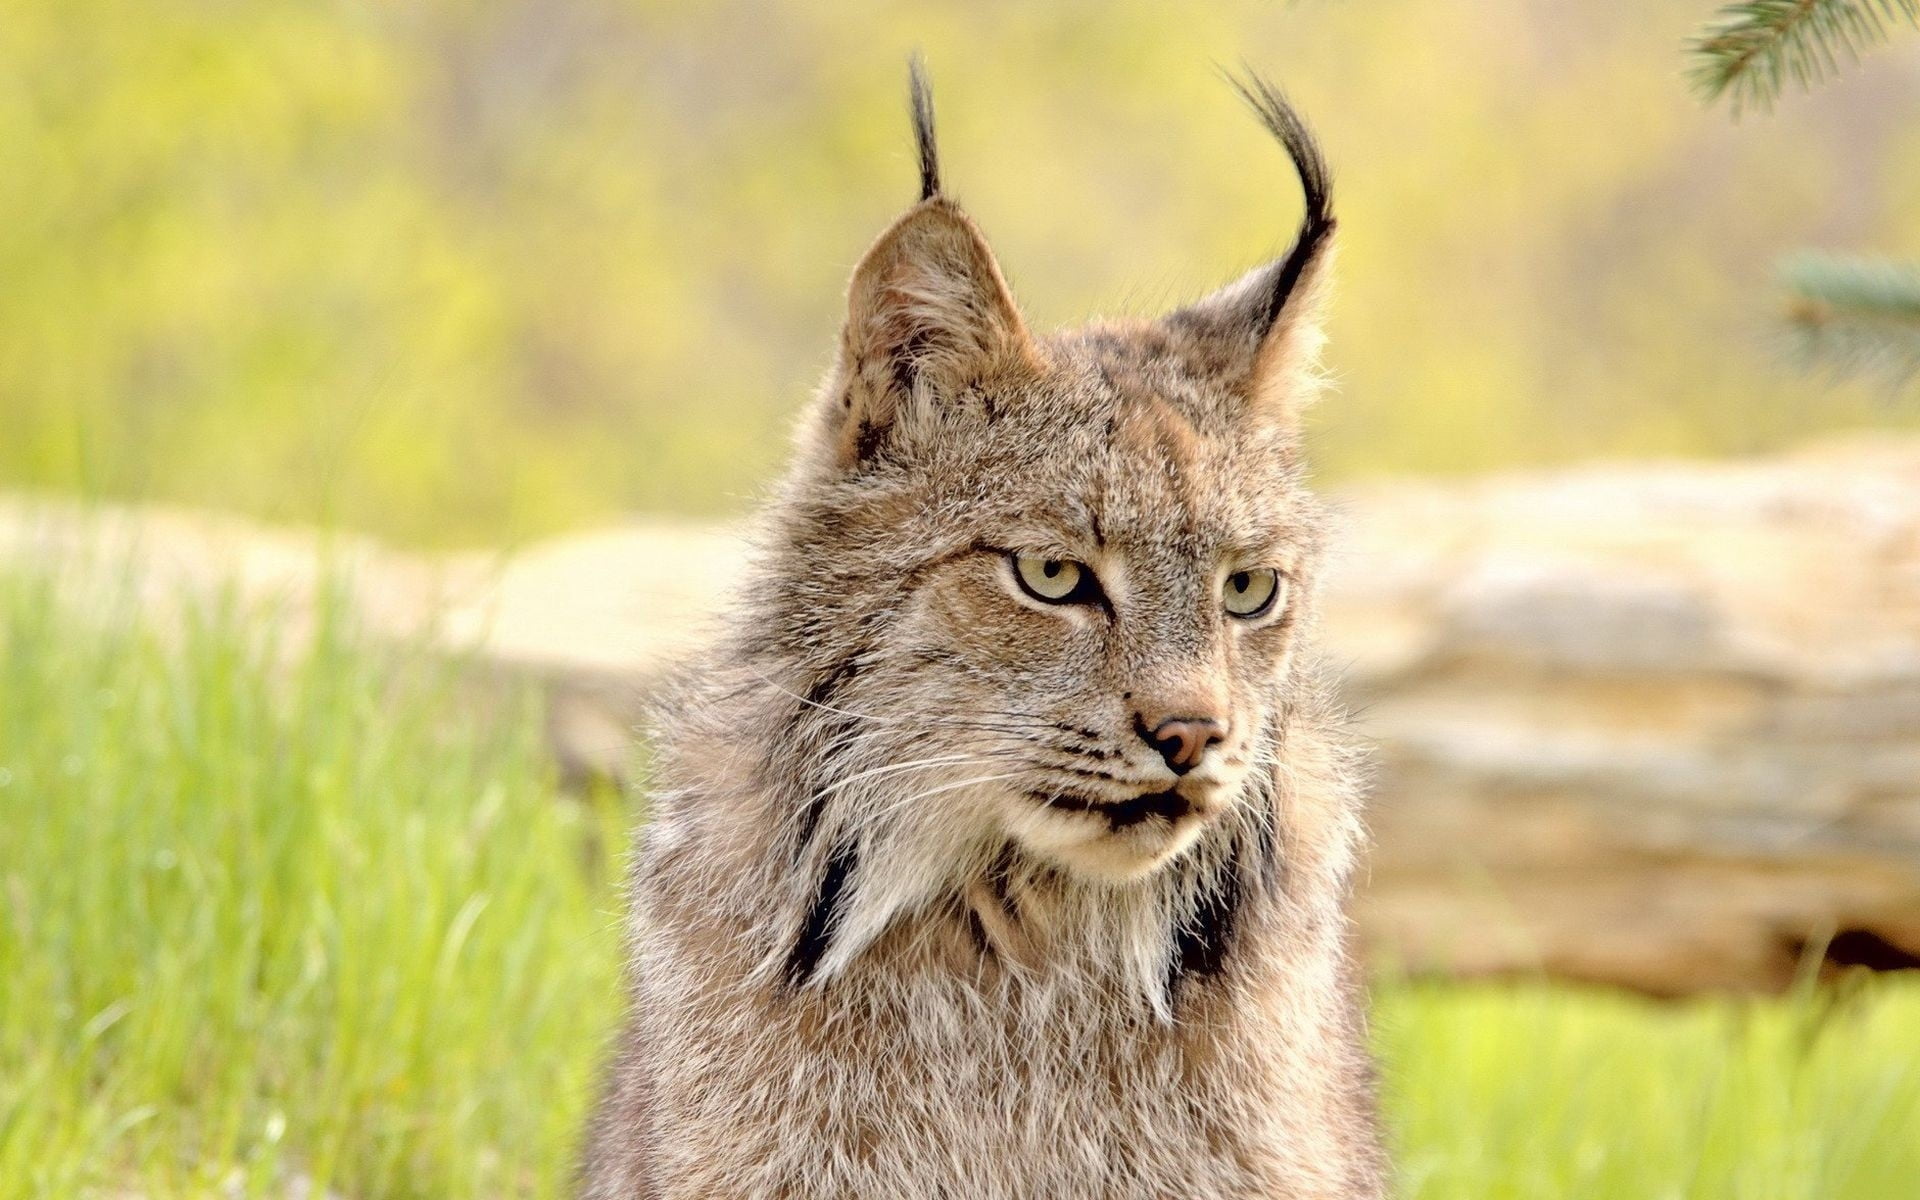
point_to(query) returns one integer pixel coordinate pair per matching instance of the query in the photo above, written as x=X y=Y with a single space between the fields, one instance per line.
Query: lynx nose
x=1182 y=740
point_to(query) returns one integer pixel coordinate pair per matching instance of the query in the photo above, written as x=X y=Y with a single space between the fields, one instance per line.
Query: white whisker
x=892 y=768
x=1036 y=722
x=945 y=787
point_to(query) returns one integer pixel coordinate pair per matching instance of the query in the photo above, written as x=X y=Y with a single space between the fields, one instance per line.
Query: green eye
x=1053 y=580
x=1253 y=592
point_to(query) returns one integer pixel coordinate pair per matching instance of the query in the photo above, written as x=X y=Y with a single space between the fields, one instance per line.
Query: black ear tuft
x=1271 y=106
x=921 y=102
x=1259 y=337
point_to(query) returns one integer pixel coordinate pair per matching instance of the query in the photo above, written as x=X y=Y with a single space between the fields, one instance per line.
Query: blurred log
x=1649 y=725
x=1654 y=725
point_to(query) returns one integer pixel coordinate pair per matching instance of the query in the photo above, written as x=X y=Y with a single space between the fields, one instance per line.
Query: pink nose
x=1182 y=740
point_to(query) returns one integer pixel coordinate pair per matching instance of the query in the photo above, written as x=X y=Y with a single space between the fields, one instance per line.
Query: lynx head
x=1035 y=598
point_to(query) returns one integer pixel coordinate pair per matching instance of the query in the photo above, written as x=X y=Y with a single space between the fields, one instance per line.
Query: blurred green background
x=468 y=273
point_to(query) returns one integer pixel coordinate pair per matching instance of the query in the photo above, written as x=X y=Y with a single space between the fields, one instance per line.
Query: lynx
x=1001 y=847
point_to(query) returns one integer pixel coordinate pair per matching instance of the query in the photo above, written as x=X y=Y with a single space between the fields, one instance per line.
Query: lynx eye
x=1053 y=580
x=1251 y=593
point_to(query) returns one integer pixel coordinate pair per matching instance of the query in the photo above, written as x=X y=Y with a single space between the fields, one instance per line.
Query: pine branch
x=1749 y=51
x=1856 y=316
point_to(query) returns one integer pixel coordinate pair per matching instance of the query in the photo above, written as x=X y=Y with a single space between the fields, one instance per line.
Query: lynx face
x=1101 y=558
x=1046 y=587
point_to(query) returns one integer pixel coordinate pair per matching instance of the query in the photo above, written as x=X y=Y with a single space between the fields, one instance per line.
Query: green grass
x=1533 y=1092
x=329 y=922
x=267 y=916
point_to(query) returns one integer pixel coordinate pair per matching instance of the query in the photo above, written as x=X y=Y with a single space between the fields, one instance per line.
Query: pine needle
x=1750 y=51
x=1855 y=316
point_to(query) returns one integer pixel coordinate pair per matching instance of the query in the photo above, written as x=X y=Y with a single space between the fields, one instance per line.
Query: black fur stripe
x=815 y=806
x=823 y=915
x=1202 y=942
x=821 y=698
x=826 y=688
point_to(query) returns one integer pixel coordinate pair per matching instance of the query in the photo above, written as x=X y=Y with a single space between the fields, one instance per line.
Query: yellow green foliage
x=465 y=272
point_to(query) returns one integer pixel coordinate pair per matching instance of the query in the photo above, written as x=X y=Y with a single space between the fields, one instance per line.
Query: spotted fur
x=920 y=912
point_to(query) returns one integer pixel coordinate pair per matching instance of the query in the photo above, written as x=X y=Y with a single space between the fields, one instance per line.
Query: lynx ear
x=927 y=310
x=1261 y=334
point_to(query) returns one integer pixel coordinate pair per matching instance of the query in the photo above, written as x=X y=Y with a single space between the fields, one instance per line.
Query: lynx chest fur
x=1001 y=849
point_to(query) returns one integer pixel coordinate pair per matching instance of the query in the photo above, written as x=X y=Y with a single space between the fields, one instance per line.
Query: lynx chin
x=1001 y=848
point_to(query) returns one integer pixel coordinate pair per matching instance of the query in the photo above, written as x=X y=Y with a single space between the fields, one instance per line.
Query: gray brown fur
x=919 y=913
